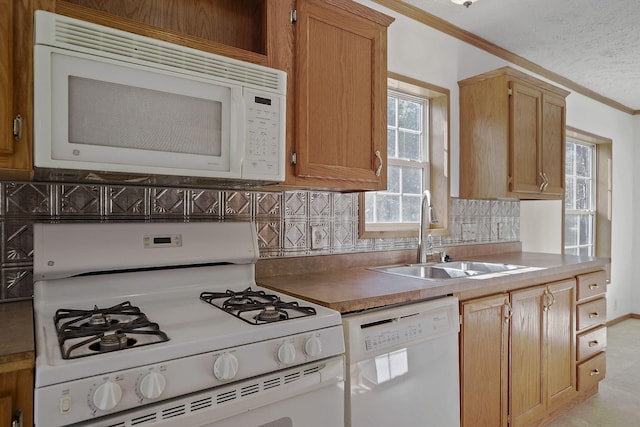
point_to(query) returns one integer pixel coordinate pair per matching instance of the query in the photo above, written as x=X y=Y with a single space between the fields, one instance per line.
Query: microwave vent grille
x=72 y=33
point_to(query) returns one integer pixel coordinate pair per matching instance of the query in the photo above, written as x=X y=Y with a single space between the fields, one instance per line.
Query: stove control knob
x=107 y=396
x=152 y=385
x=286 y=353
x=225 y=367
x=313 y=347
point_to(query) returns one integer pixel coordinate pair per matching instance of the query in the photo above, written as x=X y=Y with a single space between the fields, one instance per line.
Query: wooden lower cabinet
x=542 y=350
x=484 y=361
x=518 y=355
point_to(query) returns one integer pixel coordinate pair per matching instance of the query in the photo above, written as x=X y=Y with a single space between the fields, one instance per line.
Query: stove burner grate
x=256 y=307
x=87 y=332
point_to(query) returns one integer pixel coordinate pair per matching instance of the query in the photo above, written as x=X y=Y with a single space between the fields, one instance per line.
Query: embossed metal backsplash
x=285 y=220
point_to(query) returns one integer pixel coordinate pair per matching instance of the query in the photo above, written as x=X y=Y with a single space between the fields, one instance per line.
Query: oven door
x=310 y=395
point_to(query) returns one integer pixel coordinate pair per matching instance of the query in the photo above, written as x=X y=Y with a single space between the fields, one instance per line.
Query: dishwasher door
x=402 y=366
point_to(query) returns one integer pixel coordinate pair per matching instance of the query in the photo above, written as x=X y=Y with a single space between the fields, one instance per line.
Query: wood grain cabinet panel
x=512 y=131
x=591 y=285
x=16 y=47
x=340 y=89
x=591 y=313
x=484 y=361
x=591 y=342
x=591 y=372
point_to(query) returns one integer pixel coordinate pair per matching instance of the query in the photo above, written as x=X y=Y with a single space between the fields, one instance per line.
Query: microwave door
x=122 y=117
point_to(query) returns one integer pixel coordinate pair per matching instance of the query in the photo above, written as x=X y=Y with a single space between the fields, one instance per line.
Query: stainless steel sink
x=447 y=270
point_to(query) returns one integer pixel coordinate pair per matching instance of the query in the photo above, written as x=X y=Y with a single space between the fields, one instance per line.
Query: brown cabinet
x=512 y=130
x=340 y=89
x=518 y=355
x=484 y=361
x=15 y=85
x=542 y=350
x=591 y=314
x=16 y=363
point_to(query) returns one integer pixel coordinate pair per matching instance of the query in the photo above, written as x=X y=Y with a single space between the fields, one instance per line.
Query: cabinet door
x=341 y=94
x=561 y=342
x=6 y=76
x=553 y=143
x=528 y=356
x=525 y=138
x=483 y=361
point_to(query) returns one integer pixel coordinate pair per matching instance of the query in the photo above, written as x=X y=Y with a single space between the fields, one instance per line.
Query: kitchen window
x=588 y=194
x=579 y=202
x=417 y=158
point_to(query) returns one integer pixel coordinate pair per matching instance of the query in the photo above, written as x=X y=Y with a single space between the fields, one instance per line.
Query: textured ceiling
x=593 y=43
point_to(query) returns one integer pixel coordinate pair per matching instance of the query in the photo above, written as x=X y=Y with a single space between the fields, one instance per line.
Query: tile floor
x=618 y=402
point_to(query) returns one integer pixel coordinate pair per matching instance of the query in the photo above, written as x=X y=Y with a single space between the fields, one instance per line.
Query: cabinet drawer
x=592 y=342
x=591 y=284
x=592 y=371
x=591 y=313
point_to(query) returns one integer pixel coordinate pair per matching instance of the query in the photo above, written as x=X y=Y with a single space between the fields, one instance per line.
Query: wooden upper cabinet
x=512 y=132
x=340 y=92
x=16 y=64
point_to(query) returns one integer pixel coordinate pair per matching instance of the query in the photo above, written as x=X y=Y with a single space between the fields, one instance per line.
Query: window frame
x=437 y=155
x=589 y=212
x=602 y=188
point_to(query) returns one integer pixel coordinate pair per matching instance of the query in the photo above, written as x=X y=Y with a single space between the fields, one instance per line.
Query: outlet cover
x=468 y=232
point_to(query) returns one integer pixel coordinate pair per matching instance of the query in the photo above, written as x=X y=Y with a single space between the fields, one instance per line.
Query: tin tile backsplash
x=291 y=223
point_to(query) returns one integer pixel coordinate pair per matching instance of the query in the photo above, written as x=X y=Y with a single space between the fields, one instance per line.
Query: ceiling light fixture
x=466 y=3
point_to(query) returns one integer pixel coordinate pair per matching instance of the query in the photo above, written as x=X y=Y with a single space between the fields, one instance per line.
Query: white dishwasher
x=402 y=366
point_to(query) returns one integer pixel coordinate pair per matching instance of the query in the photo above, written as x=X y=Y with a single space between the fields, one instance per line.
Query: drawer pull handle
x=594 y=372
x=592 y=315
x=594 y=286
x=593 y=343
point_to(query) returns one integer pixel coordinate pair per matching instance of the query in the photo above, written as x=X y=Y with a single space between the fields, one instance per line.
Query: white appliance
x=402 y=366
x=109 y=100
x=148 y=324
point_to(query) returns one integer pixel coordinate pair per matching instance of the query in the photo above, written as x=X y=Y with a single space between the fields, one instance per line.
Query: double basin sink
x=447 y=270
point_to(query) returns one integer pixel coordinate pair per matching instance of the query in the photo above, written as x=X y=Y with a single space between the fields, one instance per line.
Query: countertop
x=356 y=289
x=16 y=340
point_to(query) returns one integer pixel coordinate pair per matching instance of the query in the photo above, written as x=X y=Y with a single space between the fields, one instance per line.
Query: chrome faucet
x=427 y=216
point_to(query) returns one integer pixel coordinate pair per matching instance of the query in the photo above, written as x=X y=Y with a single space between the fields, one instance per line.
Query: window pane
x=369 y=197
x=393 y=179
x=583 y=193
x=408 y=145
x=569 y=195
x=411 y=180
x=409 y=115
x=569 y=158
x=583 y=160
x=585 y=229
x=585 y=251
x=391 y=111
x=571 y=251
x=570 y=230
x=410 y=208
x=391 y=143
x=387 y=207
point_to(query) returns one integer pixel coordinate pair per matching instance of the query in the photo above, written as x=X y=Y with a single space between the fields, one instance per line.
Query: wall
x=426 y=54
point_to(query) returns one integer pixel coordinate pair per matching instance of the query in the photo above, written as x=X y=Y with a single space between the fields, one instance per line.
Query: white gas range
x=146 y=324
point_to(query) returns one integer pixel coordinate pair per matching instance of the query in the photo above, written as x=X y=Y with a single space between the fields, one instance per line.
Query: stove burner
x=256 y=307
x=110 y=342
x=87 y=332
x=271 y=314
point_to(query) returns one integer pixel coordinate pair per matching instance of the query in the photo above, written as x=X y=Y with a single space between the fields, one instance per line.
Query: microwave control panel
x=265 y=142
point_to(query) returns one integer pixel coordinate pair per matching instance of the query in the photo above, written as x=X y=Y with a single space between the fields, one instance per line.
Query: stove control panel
x=97 y=396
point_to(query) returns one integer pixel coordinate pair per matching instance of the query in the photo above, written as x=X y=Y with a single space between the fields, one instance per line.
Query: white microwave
x=107 y=100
